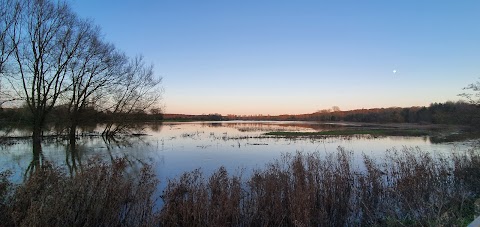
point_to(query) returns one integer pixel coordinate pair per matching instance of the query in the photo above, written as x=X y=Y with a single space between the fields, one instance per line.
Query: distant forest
x=89 y=115
x=459 y=113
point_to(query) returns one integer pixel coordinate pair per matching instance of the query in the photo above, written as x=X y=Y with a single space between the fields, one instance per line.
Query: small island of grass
x=348 y=132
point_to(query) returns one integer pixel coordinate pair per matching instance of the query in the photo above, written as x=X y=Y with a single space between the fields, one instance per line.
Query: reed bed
x=102 y=194
x=407 y=186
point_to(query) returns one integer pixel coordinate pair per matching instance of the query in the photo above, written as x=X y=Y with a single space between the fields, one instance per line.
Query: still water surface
x=173 y=148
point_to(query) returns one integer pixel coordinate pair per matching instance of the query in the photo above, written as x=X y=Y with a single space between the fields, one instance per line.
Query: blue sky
x=279 y=56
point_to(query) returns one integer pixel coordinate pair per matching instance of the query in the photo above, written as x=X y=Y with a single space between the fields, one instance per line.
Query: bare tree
x=9 y=17
x=49 y=37
x=9 y=13
x=94 y=69
x=57 y=58
x=472 y=97
x=137 y=91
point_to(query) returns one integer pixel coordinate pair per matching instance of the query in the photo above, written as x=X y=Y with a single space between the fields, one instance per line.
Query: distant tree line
x=58 y=66
x=90 y=115
x=436 y=113
x=460 y=113
x=201 y=117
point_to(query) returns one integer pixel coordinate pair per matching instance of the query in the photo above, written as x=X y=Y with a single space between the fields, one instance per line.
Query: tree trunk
x=36 y=134
x=72 y=135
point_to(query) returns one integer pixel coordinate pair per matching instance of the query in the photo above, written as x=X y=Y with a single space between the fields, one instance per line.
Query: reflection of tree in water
x=114 y=143
x=73 y=157
x=79 y=154
x=76 y=152
x=38 y=160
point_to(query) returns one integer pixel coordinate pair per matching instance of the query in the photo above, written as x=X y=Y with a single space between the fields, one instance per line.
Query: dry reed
x=100 y=195
x=407 y=187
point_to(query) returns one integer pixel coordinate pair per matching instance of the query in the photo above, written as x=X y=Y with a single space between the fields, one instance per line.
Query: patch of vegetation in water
x=453 y=137
x=346 y=132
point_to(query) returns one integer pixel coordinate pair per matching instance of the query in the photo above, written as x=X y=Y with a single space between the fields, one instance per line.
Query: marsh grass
x=100 y=195
x=407 y=187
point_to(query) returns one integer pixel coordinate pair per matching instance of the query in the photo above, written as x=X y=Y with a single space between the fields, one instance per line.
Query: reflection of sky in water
x=177 y=147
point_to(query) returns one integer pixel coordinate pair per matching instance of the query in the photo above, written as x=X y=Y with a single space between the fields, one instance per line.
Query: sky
x=291 y=57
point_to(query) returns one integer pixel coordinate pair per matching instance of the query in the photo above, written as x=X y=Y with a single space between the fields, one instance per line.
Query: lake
x=173 y=148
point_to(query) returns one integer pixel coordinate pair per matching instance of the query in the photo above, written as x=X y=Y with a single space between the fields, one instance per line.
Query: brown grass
x=407 y=187
x=101 y=195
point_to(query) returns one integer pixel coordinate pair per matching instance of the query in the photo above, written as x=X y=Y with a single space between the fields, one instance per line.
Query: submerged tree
x=138 y=90
x=93 y=71
x=55 y=59
x=49 y=37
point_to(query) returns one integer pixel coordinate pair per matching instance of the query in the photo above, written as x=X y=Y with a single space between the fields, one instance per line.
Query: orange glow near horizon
x=272 y=108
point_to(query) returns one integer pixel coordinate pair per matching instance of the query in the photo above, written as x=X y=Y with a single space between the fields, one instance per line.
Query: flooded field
x=174 y=148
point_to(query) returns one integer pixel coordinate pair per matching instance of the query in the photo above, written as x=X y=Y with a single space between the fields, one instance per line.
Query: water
x=173 y=148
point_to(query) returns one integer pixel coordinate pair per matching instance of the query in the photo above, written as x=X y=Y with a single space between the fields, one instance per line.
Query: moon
x=394 y=71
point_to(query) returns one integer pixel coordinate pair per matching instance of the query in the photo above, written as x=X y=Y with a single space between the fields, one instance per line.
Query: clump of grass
x=100 y=195
x=194 y=200
x=302 y=190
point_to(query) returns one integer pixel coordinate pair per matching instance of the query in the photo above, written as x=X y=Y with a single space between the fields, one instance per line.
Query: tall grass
x=100 y=195
x=405 y=187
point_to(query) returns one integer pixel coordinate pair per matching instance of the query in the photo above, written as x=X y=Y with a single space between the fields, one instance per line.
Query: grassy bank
x=405 y=187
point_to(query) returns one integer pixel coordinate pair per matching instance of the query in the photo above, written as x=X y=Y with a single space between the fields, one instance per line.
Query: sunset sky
x=279 y=56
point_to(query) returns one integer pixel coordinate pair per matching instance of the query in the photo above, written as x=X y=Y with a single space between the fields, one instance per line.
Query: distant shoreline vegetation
x=459 y=113
x=449 y=113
